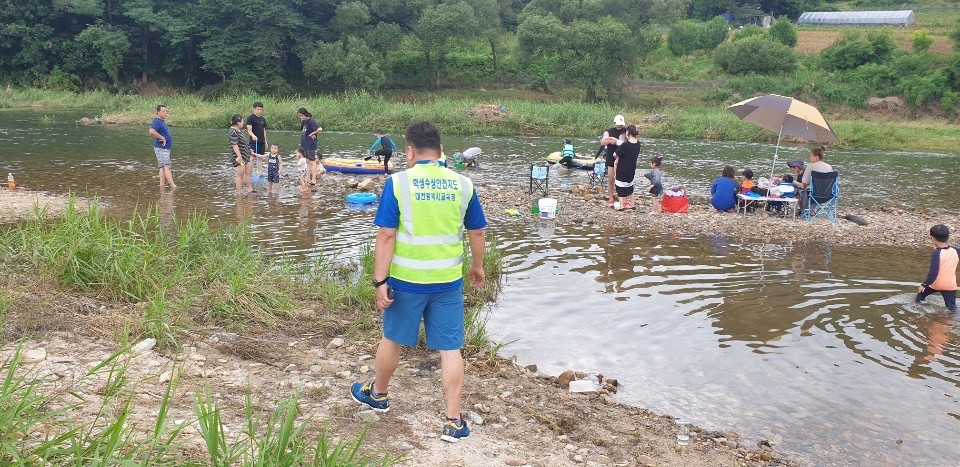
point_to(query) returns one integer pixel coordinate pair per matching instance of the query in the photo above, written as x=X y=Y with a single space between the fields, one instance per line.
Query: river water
x=817 y=348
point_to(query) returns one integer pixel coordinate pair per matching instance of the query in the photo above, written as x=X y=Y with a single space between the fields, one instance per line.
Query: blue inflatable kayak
x=361 y=198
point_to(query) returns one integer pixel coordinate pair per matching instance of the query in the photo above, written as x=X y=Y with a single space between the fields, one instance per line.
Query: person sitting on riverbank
x=723 y=192
x=943 y=269
x=566 y=157
x=655 y=175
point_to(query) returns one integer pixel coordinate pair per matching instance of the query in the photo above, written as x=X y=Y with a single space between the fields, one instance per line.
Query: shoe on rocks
x=363 y=394
x=453 y=432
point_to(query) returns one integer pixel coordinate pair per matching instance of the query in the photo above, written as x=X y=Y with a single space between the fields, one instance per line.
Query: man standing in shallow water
x=162 y=143
x=422 y=215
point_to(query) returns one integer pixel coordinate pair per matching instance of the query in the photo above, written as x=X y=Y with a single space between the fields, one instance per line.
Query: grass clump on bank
x=40 y=428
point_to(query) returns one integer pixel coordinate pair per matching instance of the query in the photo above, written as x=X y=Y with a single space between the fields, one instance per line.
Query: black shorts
x=656 y=190
x=610 y=160
x=310 y=154
x=624 y=191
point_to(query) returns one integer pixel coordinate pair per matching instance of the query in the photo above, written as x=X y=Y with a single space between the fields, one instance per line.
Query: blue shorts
x=163 y=157
x=441 y=313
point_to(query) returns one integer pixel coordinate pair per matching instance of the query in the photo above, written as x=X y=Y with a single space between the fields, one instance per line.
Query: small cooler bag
x=675 y=200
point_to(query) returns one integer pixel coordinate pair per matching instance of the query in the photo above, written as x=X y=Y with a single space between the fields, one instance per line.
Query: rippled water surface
x=816 y=348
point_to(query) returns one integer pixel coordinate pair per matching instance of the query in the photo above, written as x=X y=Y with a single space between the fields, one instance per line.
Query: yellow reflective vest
x=433 y=202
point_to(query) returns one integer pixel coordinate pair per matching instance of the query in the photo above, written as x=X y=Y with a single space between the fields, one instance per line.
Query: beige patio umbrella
x=785 y=116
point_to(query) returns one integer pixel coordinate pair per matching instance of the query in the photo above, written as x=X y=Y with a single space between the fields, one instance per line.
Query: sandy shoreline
x=21 y=203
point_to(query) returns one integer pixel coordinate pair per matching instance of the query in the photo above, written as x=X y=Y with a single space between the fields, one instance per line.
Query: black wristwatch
x=377 y=283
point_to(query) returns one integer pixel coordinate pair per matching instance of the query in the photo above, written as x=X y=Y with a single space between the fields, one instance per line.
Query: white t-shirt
x=819 y=166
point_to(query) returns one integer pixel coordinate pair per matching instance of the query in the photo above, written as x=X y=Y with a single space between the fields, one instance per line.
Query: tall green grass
x=193 y=271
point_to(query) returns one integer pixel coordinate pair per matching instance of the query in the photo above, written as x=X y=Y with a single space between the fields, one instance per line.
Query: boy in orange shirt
x=943 y=269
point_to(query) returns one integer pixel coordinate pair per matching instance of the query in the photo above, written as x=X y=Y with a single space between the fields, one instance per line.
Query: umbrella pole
x=775 y=151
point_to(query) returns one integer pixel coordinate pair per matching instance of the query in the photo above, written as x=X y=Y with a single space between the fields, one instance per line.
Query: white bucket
x=548 y=208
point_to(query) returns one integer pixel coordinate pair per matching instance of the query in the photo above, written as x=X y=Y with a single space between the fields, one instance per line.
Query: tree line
x=285 y=46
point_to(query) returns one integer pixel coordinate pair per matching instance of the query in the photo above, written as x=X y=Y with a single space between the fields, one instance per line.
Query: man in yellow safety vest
x=418 y=271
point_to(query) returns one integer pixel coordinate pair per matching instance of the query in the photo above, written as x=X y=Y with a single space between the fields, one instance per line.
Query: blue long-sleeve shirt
x=379 y=142
x=723 y=194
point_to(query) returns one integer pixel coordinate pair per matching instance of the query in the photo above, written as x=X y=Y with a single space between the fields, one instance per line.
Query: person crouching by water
x=655 y=175
x=723 y=192
x=240 y=154
x=625 y=168
x=418 y=272
x=567 y=155
x=387 y=148
x=610 y=140
x=943 y=269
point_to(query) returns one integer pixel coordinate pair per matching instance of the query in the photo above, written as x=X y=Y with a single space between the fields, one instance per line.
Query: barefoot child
x=656 y=183
x=302 y=170
x=943 y=269
x=274 y=167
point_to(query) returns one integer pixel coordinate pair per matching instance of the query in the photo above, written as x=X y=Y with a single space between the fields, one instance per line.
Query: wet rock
x=336 y=342
x=565 y=378
x=607 y=400
x=730 y=444
x=34 y=356
x=531 y=368
x=368 y=416
x=366 y=185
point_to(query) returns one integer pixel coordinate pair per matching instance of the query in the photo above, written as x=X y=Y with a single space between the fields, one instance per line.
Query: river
x=816 y=348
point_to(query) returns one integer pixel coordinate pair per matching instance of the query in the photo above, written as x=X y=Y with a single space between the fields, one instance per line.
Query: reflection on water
x=820 y=348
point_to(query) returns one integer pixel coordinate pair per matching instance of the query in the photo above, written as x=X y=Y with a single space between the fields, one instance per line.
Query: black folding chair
x=822 y=195
x=539 y=176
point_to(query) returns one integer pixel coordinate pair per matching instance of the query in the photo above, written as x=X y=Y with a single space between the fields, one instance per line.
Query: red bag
x=674 y=204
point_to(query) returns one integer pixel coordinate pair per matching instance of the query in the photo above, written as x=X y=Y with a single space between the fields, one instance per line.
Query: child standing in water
x=943 y=269
x=302 y=170
x=655 y=175
x=274 y=167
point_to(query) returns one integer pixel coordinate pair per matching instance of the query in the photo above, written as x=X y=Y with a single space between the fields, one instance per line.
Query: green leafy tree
x=346 y=64
x=713 y=33
x=784 y=32
x=749 y=31
x=851 y=50
x=955 y=37
x=111 y=46
x=689 y=36
x=491 y=29
x=437 y=27
x=921 y=41
x=350 y=19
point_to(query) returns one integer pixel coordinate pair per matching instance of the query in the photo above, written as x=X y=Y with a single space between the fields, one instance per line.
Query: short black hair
x=379 y=131
x=258 y=104
x=747 y=174
x=567 y=141
x=423 y=135
x=728 y=171
x=303 y=111
x=940 y=232
x=161 y=106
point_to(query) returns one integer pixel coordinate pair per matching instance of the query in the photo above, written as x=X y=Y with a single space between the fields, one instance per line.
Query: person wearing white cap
x=611 y=139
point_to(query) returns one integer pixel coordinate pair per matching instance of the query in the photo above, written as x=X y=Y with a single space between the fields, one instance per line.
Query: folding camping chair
x=539 y=178
x=822 y=195
x=599 y=175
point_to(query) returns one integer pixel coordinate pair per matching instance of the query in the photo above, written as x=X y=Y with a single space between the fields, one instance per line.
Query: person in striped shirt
x=943 y=269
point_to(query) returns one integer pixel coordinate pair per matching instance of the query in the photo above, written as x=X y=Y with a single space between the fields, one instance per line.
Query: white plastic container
x=583 y=385
x=548 y=208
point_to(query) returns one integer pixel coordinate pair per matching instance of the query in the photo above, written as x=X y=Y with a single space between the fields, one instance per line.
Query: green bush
x=851 y=50
x=756 y=54
x=749 y=31
x=713 y=33
x=689 y=36
x=921 y=41
x=60 y=80
x=955 y=37
x=922 y=90
x=683 y=38
x=784 y=32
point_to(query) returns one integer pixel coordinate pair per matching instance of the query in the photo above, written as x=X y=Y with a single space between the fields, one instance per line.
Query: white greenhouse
x=857 y=18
